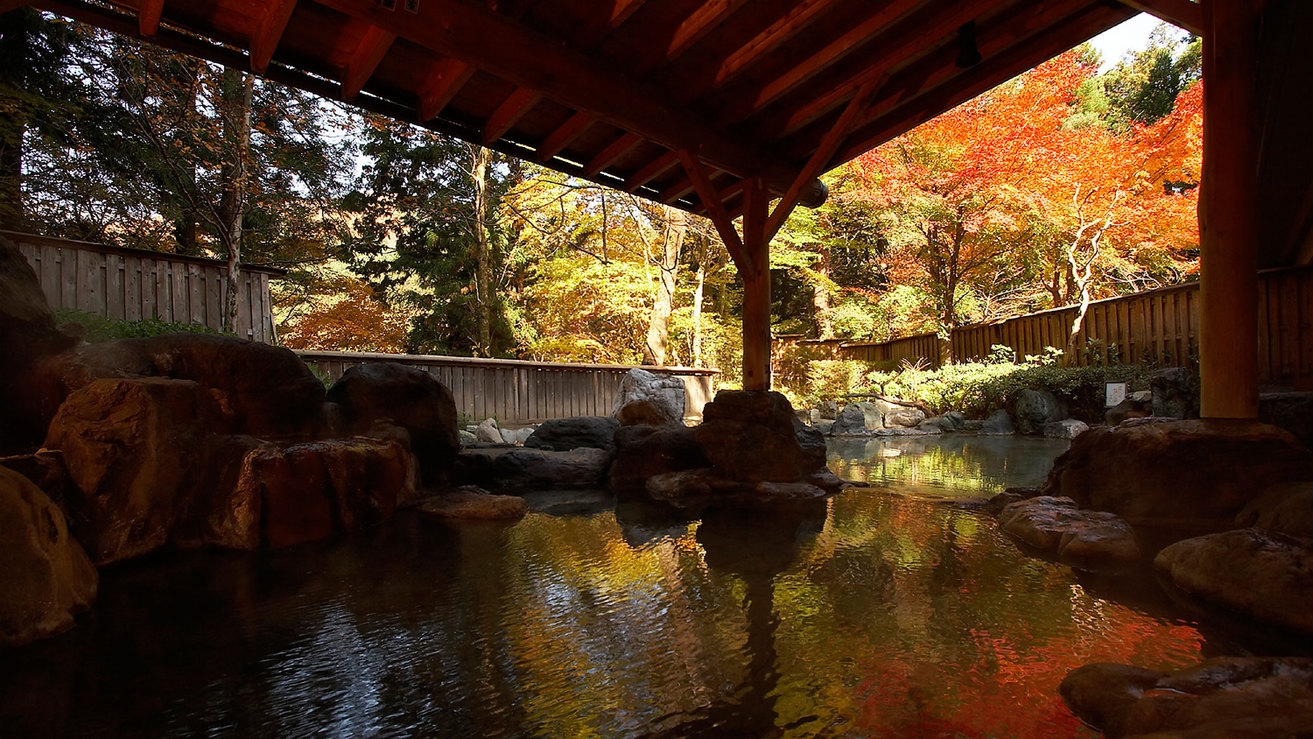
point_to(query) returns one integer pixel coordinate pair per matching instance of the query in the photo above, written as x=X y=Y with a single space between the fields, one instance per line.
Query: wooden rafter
x=732 y=61
x=606 y=24
x=498 y=45
x=694 y=28
x=265 y=40
x=509 y=113
x=608 y=156
x=564 y=135
x=365 y=60
x=444 y=82
x=714 y=204
x=1183 y=13
x=652 y=169
x=148 y=16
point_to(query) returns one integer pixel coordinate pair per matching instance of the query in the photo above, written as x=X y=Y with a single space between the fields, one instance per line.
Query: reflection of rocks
x=45 y=576
x=1087 y=540
x=1222 y=697
x=1191 y=475
x=758 y=541
x=1264 y=575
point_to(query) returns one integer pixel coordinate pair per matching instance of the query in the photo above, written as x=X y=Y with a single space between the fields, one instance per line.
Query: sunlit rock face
x=646 y=398
x=45 y=576
x=754 y=436
x=1222 y=697
x=1192 y=476
x=1087 y=540
x=373 y=396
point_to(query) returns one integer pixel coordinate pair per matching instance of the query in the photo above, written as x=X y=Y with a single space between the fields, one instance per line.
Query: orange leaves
x=354 y=322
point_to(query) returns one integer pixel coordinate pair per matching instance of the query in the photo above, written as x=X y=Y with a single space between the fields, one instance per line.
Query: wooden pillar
x=1228 y=212
x=756 y=288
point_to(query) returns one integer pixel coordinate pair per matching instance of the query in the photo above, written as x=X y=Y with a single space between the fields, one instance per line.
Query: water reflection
x=869 y=615
x=949 y=466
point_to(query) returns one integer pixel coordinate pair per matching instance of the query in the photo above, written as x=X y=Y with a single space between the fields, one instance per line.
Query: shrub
x=100 y=328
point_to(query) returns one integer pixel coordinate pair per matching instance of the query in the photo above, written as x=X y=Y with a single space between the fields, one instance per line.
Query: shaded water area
x=871 y=614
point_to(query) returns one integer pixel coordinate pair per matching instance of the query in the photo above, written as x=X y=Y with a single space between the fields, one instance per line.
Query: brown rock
x=754 y=436
x=648 y=398
x=128 y=445
x=1286 y=509
x=645 y=451
x=515 y=467
x=27 y=333
x=474 y=503
x=1264 y=575
x=1222 y=697
x=45 y=576
x=313 y=490
x=255 y=388
x=406 y=397
x=1190 y=475
x=1086 y=540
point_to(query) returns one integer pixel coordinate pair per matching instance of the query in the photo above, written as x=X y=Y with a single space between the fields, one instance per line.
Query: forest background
x=1062 y=186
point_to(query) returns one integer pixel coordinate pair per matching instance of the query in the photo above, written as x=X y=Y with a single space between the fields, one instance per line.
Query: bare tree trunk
x=480 y=160
x=821 y=297
x=1081 y=265
x=658 y=332
x=236 y=95
x=697 y=315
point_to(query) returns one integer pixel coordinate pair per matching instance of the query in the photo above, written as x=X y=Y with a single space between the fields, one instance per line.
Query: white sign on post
x=1114 y=393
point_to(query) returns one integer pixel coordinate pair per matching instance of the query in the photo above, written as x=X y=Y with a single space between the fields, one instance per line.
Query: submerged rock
x=406 y=397
x=1221 y=697
x=475 y=503
x=1264 y=575
x=1086 y=540
x=45 y=576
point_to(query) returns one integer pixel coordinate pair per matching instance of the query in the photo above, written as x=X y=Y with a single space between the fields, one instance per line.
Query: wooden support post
x=756 y=287
x=1228 y=212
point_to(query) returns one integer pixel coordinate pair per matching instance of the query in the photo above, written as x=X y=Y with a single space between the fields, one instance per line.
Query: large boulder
x=127 y=445
x=27 y=333
x=514 y=467
x=999 y=423
x=564 y=434
x=1262 y=574
x=1285 y=509
x=45 y=576
x=650 y=399
x=257 y=389
x=1234 y=697
x=754 y=436
x=645 y=451
x=1290 y=411
x=1032 y=410
x=1175 y=393
x=1067 y=428
x=1087 y=540
x=371 y=395
x=861 y=417
x=904 y=418
x=1193 y=475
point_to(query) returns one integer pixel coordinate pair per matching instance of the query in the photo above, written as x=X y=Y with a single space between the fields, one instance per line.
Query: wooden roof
x=613 y=90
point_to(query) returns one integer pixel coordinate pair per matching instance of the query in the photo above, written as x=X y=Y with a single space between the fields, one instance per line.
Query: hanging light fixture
x=967 y=53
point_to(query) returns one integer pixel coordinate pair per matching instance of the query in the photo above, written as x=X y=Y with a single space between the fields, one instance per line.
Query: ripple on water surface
x=875 y=615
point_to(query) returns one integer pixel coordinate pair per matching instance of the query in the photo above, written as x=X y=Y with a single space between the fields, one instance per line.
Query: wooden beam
x=711 y=200
x=948 y=88
x=608 y=156
x=756 y=288
x=830 y=54
x=564 y=135
x=794 y=21
x=696 y=26
x=504 y=48
x=267 y=35
x=148 y=16
x=446 y=80
x=1183 y=13
x=600 y=26
x=1228 y=212
x=652 y=169
x=365 y=59
x=821 y=157
x=509 y=113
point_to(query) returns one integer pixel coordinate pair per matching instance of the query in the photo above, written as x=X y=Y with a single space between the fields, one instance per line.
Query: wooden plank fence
x=520 y=393
x=1159 y=326
x=135 y=284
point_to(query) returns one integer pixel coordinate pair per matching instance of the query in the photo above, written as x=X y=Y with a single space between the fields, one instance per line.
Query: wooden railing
x=135 y=285
x=1159 y=326
x=519 y=392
